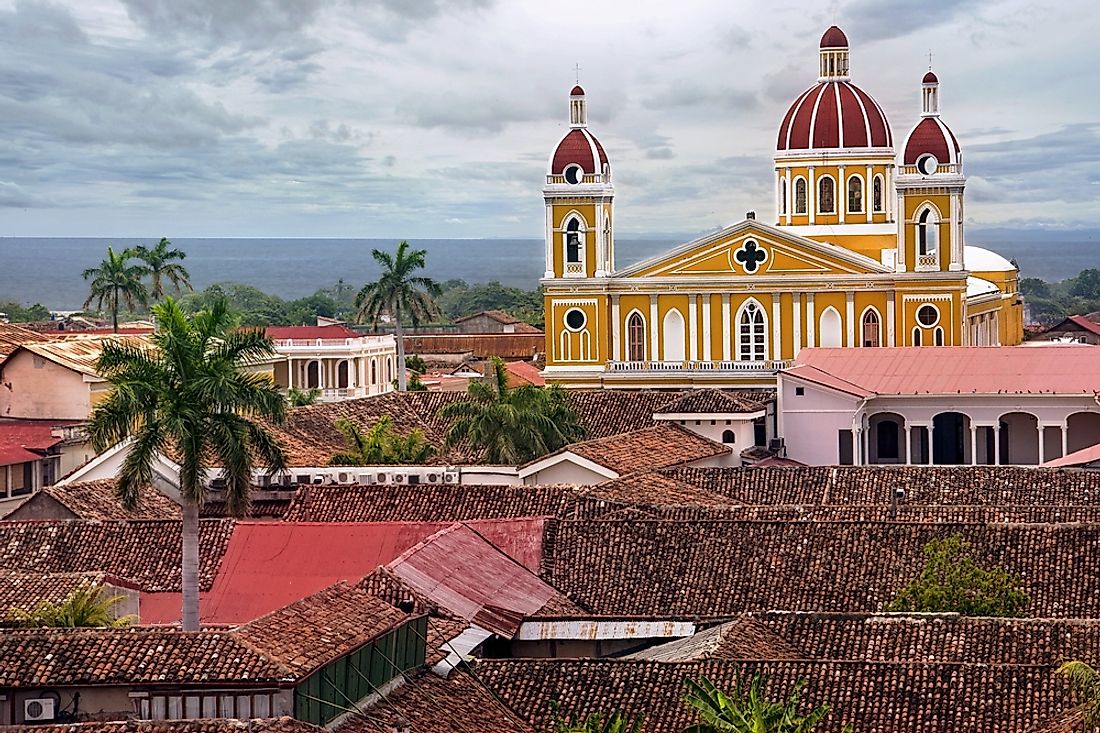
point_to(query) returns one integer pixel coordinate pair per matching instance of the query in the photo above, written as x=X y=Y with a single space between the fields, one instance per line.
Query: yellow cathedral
x=867 y=251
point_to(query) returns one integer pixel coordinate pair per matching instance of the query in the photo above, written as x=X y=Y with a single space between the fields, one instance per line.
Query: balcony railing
x=928 y=263
x=755 y=367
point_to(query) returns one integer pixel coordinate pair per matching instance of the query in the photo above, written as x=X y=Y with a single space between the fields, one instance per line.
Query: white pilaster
x=616 y=330
x=973 y=444
x=891 y=331
x=1042 y=444
x=796 y=313
x=997 y=443
x=811 y=317
x=654 y=350
x=549 y=241
x=850 y=317
x=1065 y=438
x=811 y=194
x=706 y=327
x=777 y=343
x=869 y=195
x=693 y=327
x=727 y=327
x=841 y=193
x=908 y=444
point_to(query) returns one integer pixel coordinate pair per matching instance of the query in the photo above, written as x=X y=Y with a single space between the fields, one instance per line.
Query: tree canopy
x=116 y=283
x=381 y=446
x=951 y=582
x=749 y=709
x=162 y=265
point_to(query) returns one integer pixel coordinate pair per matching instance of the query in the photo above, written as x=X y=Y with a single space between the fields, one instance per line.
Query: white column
x=841 y=193
x=908 y=444
x=655 y=348
x=888 y=192
x=706 y=327
x=857 y=446
x=777 y=341
x=601 y=252
x=727 y=327
x=973 y=444
x=693 y=327
x=1065 y=438
x=850 y=317
x=289 y=373
x=956 y=239
x=810 y=319
x=796 y=312
x=549 y=241
x=790 y=192
x=811 y=194
x=778 y=197
x=616 y=330
x=891 y=331
x=997 y=443
x=901 y=235
x=869 y=195
x=1042 y=444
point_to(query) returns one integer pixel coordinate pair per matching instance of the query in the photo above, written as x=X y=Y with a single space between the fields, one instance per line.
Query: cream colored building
x=342 y=363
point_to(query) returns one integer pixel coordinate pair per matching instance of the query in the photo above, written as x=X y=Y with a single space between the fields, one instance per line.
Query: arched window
x=855 y=195
x=674 y=338
x=782 y=195
x=800 y=195
x=939 y=335
x=872 y=328
x=389 y=370
x=373 y=371
x=928 y=239
x=342 y=374
x=313 y=375
x=573 y=241
x=826 y=195
x=752 y=338
x=635 y=337
x=728 y=437
x=831 y=329
x=916 y=337
x=876 y=195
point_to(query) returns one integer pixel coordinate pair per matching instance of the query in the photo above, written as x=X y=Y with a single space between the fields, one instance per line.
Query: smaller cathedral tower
x=579 y=201
x=930 y=191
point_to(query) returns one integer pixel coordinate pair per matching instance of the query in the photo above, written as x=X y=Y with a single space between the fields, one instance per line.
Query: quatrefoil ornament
x=751 y=256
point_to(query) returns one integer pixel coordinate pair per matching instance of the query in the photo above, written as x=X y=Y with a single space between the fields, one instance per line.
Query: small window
x=573 y=241
x=916 y=337
x=782 y=195
x=728 y=437
x=855 y=195
x=928 y=315
x=939 y=335
x=799 y=391
x=800 y=196
x=876 y=194
x=871 y=329
x=573 y=173
x=826 y=196
x=575 y=319
x=635 y=337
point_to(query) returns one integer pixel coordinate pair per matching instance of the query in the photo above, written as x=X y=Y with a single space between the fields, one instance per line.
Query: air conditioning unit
x=450 y=477
x=318 y=480
x=345 y=478
x=382 y=478
x=776 y=445
x=432 y=477
x=365 y=479
x=397 y=478
x=39 y=710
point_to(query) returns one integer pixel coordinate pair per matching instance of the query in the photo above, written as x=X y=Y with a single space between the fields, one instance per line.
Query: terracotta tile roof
x=55 y=657
x=649 y=448
x=1073 y=369
x=874 y=696
x=480 y=345
x=24 y=590
x=12 y=336
x=309 y=633
x=426 y=502
x=258 y=508
x=716 y=401
x=145 y=551
x=98 y=500
x=432 y=704
x=718 y=568
x=523 y=372
x=285 y=724
x=930 y=638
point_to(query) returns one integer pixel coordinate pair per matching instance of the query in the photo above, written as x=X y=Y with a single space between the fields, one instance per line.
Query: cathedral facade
x=866 y=250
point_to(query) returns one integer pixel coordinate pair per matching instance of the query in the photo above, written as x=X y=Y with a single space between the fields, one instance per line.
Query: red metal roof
x=26 y=440
x=334 y=331
x=268 y=565
x=834 y=38
x=576 y=91
x=461 y=571
x=524 y=372
x=954 y=370
x=820 y=115
x=931 y=136
x=1085 y=323
x=577 y=147
x=930 y=78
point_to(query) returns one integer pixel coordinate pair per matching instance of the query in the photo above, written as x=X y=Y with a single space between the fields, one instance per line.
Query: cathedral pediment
x=753 y=249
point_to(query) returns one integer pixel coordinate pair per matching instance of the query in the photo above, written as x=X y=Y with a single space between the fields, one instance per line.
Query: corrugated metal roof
x=12 y=336
x=26 y=440
x=80 y=352
x=955 y=369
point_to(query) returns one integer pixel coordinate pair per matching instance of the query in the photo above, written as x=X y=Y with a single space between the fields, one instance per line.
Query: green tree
x=88 y=605
x=748 y=709
x=416 y=364
x=511 y=425
x=1086 y=285
x=115 y=283
x=302 y=397
x=380 y=446
x=249 y=306
x=614 y=722
x=190 y=392
x=1034 y=287
x=162 y=264
x=1084 y=683
x=398 y=293
x=951 y=582
x=18 y=314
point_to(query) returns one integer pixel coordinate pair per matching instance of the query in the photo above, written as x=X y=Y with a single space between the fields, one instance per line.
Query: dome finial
x=930 y=92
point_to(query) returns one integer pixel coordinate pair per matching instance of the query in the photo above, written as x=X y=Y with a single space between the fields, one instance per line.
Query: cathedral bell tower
x=579 y=202
x=930 y=191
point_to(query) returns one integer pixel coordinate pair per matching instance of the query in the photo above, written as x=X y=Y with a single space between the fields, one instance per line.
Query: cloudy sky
x=434 y=118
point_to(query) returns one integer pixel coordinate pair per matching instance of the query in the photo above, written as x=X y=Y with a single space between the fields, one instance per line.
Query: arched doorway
x=950 y=439
x=673 y=334
x=1019 y=439
x=886 y=438
x=1083 y=430
x=313 y=375
x=342 y=375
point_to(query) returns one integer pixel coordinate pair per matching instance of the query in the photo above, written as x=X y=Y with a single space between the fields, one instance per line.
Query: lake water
x=47 y=270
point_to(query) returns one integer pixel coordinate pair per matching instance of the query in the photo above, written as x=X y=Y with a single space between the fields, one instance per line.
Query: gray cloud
x=14 y=196
x=877 y=20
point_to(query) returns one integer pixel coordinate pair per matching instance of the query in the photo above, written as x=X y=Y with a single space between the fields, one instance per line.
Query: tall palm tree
x=163 y=264
x=190 y=393
x=116 y=282
x=511 y=425
x=399 y=294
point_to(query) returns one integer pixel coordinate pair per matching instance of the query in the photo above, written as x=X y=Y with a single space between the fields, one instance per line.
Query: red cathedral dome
x=581 y=147
x=834 y=38
x=930 y=136
x=834 y=114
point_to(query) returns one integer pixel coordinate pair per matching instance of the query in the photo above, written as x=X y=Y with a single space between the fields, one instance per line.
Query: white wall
x=565 y=472
x=809 y=422
x=43 y=390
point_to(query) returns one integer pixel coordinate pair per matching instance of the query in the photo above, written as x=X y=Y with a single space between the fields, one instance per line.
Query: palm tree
x=162 y=263
x=88 y=605
x=511 y=425
x=748 y=710
x=1084 y=681
x=116 y=282
x=399 y=294
x=190 y=393
x=380 y=446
